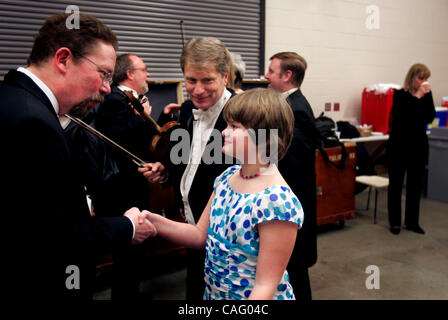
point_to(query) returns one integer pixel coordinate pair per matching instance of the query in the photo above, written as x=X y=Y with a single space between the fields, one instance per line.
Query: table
x=375 y=145
x=372 y=138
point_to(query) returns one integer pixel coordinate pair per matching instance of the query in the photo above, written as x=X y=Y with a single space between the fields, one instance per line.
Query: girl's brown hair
x=263 y=109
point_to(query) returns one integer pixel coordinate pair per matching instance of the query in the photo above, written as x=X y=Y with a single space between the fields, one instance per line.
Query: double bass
x=160 y=198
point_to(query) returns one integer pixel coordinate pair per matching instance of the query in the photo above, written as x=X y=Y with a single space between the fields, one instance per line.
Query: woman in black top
x=407 y=150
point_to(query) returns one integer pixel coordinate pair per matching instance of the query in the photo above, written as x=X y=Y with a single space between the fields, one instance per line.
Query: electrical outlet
x=336 y=106
x=327 y=106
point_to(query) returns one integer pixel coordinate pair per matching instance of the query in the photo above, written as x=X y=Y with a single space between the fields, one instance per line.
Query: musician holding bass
x=113 y=181
x=116 y=119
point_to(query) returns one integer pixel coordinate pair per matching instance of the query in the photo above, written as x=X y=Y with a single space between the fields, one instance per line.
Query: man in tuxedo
x=127 y=188
x=119 y=121
x=50 y=239
x=205 y=63
x=285 y=74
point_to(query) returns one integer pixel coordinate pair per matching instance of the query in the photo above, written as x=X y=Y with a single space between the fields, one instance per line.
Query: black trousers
x=300 y=282
x=414 y=171
x=195 y=274
x=126 y=272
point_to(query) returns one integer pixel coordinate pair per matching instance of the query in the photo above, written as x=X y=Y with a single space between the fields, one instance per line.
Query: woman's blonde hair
x=416 y=70
x=263 y=109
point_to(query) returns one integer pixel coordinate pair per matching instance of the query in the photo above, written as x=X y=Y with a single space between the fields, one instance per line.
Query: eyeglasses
x=107 y=76
x=141 y=69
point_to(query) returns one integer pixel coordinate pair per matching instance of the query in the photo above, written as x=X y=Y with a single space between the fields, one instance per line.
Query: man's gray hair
x=199 y=52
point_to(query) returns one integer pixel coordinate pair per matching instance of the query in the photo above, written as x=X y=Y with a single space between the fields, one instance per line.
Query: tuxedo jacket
x=127 y=187
x=117 y=120
x=49 y=239
x=202 y=186
x=298 y=169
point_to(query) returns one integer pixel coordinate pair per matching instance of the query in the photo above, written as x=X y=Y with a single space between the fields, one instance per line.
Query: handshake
x=143 y=226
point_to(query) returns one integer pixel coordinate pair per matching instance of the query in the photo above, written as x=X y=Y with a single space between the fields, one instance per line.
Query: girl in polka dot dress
x=250 y=223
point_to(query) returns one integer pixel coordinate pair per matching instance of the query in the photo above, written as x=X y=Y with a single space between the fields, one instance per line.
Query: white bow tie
x=199 y=114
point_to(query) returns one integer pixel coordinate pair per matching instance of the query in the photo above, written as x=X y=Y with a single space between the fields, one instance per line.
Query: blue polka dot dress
x=233 y=242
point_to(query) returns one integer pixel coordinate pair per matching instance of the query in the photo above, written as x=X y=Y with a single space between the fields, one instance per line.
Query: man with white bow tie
x=205 y=63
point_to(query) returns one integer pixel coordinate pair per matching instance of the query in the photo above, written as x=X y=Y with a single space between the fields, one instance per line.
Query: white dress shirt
x=124 y=88
x=204 y=122
x=287 y=93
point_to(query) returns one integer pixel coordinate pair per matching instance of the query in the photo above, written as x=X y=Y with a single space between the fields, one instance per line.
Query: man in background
x=286 y=73
x=116 y=119
x=111 y=179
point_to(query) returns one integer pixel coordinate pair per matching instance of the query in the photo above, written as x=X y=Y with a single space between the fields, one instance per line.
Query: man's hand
x=146 y=107
x=153 y=172
x=143 y=227
x=171 y=108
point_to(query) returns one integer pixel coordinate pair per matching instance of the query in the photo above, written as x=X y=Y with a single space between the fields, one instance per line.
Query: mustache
x=99 y=98
x=82 y=109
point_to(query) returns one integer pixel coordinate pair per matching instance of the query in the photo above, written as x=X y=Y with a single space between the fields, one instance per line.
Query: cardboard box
x=364 y=131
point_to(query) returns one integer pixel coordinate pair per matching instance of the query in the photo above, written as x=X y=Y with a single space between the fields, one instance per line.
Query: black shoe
x=395 y=230
x=416 y=229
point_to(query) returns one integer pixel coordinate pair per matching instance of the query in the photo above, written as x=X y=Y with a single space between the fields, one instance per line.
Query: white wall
x=344 y=56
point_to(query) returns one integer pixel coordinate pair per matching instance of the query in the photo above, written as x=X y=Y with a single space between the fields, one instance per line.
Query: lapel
x=21 y=80
x=186 y=117
x=293 y=98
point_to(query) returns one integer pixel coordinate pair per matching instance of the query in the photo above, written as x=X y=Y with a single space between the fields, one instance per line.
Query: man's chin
x=202 y=104
x=83 y=108
x=91 y=105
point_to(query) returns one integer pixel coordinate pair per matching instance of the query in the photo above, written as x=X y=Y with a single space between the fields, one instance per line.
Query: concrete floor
x=410 y=265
